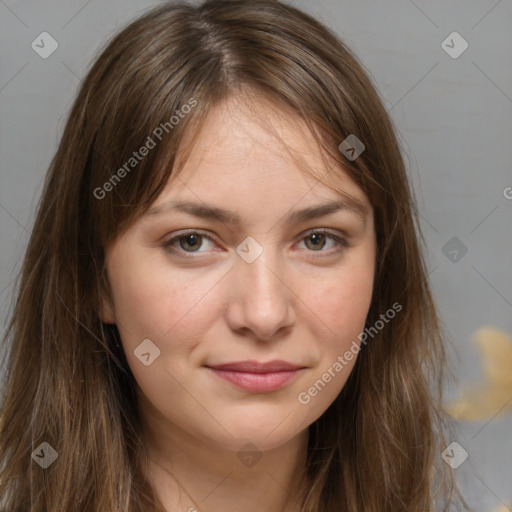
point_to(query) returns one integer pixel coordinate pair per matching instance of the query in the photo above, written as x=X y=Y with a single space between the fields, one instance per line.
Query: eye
x=189 y=242
x=318 y=240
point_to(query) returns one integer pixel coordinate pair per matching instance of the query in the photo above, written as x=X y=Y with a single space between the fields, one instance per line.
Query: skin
x=297 y=301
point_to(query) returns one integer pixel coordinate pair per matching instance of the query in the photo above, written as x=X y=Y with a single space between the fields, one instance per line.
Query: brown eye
x=317 y=241
x=324 y=242
x=189 y=243
x=192 y=241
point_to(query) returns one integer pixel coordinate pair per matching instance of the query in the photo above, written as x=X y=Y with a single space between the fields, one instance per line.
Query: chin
x=258 y=442
x=265 y=435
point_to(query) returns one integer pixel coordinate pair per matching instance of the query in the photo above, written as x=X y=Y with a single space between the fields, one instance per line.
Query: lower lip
x=257 y=382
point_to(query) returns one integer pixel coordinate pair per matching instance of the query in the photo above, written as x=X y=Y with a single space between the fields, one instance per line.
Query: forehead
x=248 y=145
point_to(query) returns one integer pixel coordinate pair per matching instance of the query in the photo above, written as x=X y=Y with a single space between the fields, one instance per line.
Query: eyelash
x=341 y=242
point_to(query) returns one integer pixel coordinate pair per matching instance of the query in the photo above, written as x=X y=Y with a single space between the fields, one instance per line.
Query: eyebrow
x=210 y=212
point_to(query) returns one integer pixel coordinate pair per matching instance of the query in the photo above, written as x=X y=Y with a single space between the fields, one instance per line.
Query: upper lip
x=257 y=367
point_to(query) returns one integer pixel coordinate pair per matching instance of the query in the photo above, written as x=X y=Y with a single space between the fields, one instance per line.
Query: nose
x=260 y=299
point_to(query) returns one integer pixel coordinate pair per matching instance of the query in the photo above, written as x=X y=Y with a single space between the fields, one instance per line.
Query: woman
x=223 y=304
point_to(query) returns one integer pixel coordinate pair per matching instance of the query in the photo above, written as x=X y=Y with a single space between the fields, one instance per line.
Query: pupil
x=190 y=240
x=317 y=239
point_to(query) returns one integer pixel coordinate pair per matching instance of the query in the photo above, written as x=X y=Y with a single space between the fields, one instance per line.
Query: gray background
x=454 y=118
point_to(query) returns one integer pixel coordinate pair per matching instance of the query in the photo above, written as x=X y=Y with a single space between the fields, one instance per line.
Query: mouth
x=255 y=376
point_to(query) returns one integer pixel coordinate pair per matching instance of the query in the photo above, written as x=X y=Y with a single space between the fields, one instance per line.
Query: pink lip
x=255 y=376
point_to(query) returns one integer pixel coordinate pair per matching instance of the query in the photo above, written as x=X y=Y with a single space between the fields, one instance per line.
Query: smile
x=257 y=377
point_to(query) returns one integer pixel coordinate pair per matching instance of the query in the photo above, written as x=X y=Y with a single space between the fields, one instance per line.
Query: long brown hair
x=66 y=381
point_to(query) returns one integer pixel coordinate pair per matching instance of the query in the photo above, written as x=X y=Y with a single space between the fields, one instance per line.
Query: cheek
x=151 y=302
x=340 y=309
x=345 y=305
x=342 y=302
x=340 y=305
x=168 y=309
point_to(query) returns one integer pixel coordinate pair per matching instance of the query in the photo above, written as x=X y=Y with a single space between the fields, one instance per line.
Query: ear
x=106 y=308
x=106 y=312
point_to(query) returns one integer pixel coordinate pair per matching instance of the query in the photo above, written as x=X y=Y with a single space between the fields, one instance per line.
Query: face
x=245 y=289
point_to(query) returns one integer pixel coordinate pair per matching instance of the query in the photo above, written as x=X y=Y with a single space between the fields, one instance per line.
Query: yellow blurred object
x=494 y=394
x=504 y=509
